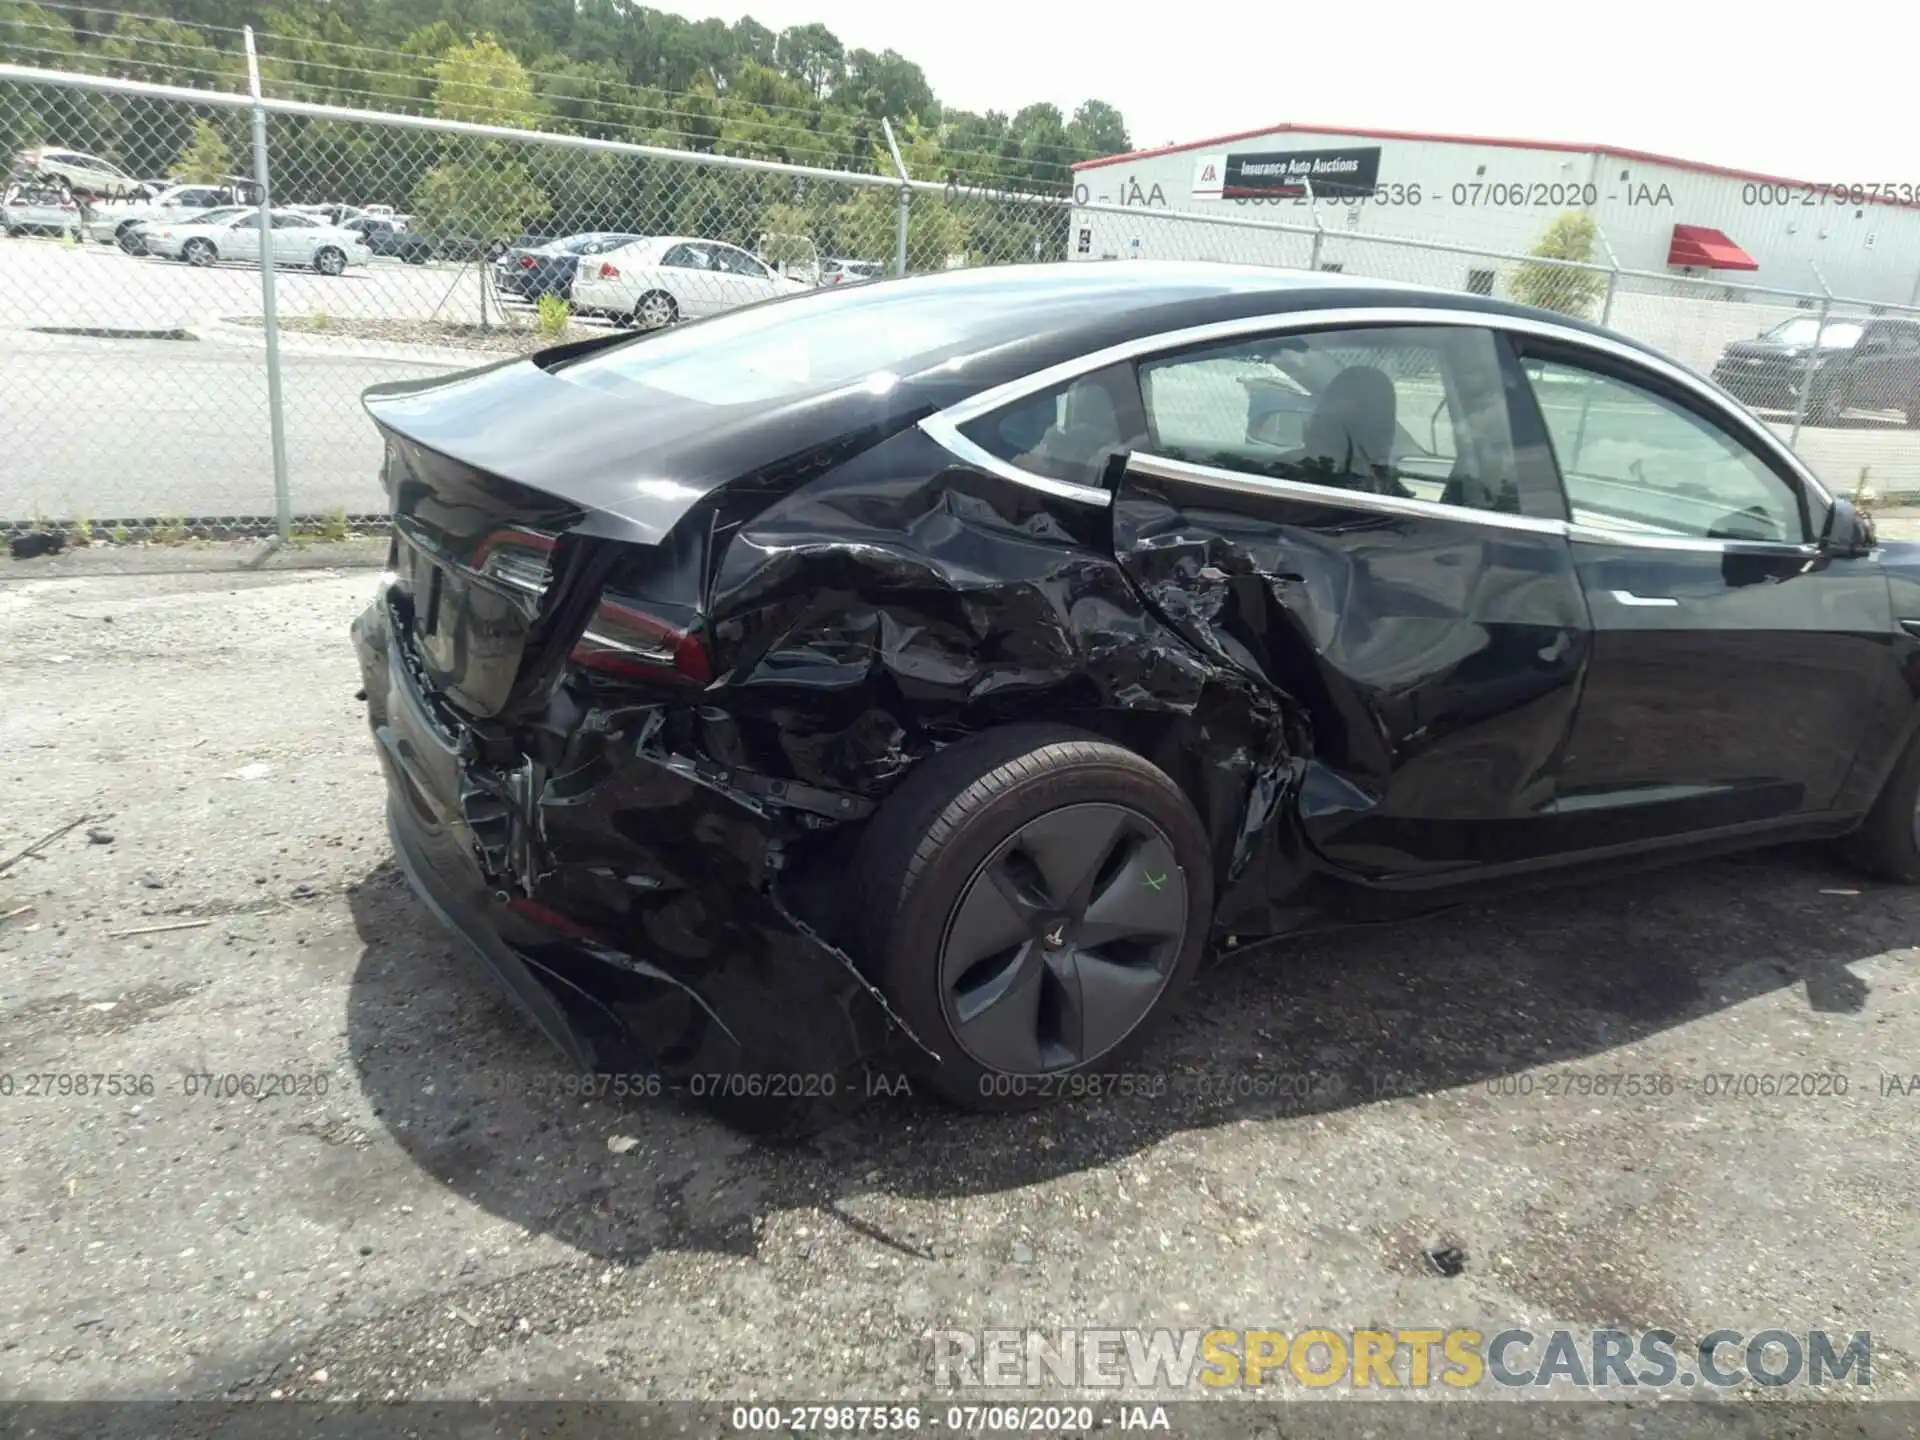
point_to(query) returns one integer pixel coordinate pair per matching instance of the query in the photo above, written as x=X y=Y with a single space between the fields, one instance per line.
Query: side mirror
x=1848 y=532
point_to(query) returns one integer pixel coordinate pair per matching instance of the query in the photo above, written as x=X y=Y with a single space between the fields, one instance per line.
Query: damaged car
x=929 y=673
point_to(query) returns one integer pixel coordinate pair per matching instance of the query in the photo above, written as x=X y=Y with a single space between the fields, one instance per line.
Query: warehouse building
x=1724 y=229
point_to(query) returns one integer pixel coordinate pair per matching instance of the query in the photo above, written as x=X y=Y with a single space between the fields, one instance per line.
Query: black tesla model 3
x=927 y=674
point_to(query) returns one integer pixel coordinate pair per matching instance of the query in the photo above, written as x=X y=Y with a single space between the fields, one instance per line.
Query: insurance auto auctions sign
x=1242 y=177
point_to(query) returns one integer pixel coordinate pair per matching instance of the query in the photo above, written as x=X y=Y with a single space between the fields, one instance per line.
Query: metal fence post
x=1613 y=275
x=270 y=312
x=905 y=201
x=1812 y=366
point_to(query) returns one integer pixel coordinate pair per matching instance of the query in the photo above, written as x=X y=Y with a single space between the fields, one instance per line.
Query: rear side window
x=1068 y=432
x=1417 y=413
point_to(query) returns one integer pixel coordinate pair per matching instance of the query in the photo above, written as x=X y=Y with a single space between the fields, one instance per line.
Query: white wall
x=1461 y=187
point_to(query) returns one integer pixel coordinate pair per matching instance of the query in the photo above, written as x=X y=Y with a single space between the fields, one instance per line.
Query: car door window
x=1636 y=462
x=1416 y=413
x=292 y=222
x=688 y=257
x=741 y=263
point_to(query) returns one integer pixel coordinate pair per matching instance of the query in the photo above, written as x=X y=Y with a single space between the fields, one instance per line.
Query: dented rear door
x=1424 y=611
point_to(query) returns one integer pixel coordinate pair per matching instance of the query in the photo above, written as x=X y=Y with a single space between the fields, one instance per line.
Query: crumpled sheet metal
x=856 y=626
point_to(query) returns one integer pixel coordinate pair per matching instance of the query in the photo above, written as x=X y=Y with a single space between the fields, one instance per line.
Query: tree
x=813 y=55
x=483 y=83
x=481 y=190
x=1097 y=129
x=1555 y=287
x=206 y=160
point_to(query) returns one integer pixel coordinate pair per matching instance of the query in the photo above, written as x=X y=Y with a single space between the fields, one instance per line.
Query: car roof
x=1090 y=305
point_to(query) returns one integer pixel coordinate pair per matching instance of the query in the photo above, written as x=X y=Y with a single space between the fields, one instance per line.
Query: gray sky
x=1794 y=91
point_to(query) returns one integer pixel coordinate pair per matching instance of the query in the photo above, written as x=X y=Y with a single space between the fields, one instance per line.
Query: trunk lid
x=521 y=499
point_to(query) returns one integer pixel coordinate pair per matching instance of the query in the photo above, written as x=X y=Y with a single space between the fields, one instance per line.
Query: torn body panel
x=660 y=868
x=1439 y=660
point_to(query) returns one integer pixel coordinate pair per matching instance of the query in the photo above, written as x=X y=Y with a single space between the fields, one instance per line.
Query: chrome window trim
x=944 y=426
x=1166 y=468
x=945 y=433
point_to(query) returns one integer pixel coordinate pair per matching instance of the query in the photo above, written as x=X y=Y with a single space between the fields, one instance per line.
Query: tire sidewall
x=909 y=954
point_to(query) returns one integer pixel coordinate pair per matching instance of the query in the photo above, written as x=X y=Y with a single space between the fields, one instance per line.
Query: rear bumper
x=652 y=938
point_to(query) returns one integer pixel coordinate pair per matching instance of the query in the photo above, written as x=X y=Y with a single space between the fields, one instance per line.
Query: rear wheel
x=1033 y=900
x=329 y=261
x=198 y=252
x=656 y=310
x=1887 y=844
x=128 y=239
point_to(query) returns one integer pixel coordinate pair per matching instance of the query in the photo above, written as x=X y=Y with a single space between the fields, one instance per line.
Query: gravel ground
x=445 y=1222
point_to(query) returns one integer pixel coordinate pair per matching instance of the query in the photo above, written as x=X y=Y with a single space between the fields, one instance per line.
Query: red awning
x=1706 y=248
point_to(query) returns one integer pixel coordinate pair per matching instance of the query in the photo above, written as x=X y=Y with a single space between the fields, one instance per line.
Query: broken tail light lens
x=627 y=642
x=609 y=271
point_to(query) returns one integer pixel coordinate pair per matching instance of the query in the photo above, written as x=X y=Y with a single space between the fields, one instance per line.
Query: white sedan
x=234 y=234
x=656 y=281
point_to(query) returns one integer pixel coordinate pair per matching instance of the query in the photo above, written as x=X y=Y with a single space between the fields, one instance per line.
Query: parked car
x=1855 y=365
x=383 y=237
x=35 y=207
x=849 y=272
x=122 y=223
x=234 y=234
x=531 y=271
x=656 y=281
x=85 y=175
x=932 y=672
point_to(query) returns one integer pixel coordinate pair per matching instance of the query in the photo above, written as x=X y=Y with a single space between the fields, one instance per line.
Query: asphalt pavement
x=424 y=1210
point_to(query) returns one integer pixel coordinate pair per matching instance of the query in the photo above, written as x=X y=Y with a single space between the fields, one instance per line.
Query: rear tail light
x=629 y=643
x=526 y=262
x=609 y=271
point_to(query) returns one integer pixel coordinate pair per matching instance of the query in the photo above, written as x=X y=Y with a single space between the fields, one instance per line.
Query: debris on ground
x=39 y=542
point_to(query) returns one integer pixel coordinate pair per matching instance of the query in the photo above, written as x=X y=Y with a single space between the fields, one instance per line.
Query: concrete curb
x=218 y=331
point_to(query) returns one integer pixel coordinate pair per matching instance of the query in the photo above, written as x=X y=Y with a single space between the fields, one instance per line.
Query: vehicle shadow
x=1308 y=1025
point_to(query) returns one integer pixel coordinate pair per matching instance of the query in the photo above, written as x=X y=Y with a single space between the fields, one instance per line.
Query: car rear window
x=825 y=340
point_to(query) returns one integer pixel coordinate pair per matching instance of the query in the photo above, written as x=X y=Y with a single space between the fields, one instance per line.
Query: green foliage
x=80 y=533
x=554 y=313
x=485 y=194
x=588 y=67
x=484 y=84
x=169 y=530
x=1571 y=236
x=206 y=159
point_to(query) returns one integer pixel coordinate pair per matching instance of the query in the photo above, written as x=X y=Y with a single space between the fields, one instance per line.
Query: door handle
x=1627 y=597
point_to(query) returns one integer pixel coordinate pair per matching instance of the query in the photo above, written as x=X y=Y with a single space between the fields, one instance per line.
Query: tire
x=414 y=256
x=129 y=240
x=655 y=310
x=1886 y=845
x=199 y=252
x=329 y=261
x=1003 y=988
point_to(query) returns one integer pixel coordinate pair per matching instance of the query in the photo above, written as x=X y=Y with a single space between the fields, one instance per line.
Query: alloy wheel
x=1063 y=940
x=330 y=262
x=656 y=311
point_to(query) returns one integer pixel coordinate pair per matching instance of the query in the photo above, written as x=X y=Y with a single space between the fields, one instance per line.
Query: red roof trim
x=1506 y=143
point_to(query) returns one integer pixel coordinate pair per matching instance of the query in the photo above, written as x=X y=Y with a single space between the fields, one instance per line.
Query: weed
x=169 y=530
x=555 y=313
x=81 y=532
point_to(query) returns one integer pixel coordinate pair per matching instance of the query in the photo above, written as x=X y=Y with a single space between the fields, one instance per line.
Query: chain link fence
x=137 y=396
